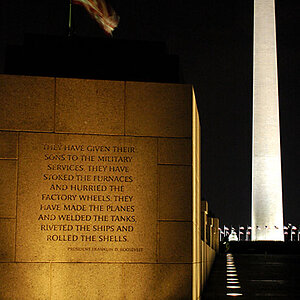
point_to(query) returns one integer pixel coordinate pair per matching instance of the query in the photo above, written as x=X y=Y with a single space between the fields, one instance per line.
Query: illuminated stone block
x=8 y=188
x=158 y=109
x=89 y=106
x=7 y=240
x=175 y=151
x=175 y=242
x=204 y=213
x=164 y=281
x=267 y=214
x=8 y=142
x=216 y=238
x=175 y=184
x=25 y=281
x=86 y=281
x=27 y=103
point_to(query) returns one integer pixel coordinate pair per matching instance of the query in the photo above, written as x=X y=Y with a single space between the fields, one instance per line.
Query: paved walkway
x=254 y=276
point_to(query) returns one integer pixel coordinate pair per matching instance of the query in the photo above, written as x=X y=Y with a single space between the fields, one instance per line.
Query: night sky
x=213 y=40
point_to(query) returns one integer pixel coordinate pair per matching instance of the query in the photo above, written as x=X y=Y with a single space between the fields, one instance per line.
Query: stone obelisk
x=267 y=213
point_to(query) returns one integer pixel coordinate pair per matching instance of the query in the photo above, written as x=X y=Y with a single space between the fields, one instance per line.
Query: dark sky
x=213 y=40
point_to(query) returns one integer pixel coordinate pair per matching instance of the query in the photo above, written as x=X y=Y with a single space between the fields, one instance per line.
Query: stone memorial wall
x=97 y=193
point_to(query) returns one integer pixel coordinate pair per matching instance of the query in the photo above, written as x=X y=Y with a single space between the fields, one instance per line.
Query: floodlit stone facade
x=100 y=190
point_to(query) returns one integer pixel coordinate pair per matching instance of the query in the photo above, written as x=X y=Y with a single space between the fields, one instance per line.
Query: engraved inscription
x=89 y=168
x=87 y=195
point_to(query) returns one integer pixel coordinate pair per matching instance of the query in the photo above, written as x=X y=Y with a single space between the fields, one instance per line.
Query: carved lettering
x=83 y=191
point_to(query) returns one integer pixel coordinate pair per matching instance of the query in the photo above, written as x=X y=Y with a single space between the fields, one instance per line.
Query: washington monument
x=267 y=213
